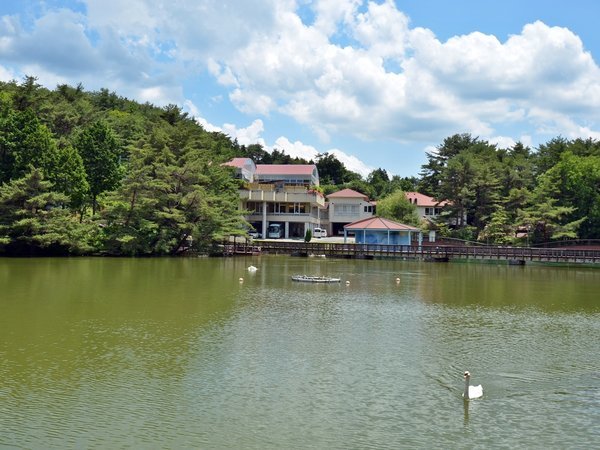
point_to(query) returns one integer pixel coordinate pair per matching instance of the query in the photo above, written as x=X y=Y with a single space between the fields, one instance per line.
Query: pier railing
x=362 y=251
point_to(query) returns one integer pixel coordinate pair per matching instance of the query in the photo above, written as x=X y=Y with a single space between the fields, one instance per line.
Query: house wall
x=382 y=237
x=429 y=212
x=343 y=211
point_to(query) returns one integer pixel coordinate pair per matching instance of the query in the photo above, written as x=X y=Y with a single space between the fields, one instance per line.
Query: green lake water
x=179 y=353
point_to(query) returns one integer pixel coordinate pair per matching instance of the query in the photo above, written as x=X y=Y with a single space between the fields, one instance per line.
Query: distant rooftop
x=238 y=162
x=285 y=169
x=423 y=200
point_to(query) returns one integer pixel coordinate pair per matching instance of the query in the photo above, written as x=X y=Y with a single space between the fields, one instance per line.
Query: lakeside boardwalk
x=441 y=253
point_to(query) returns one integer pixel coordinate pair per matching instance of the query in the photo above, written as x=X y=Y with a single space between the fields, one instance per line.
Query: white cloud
x=191 y=108
x=252 y=134
x=246 y=136
x=295 y=149
x=208 y=126
x=553 y=123
x=308 y=152
x=352 y=162
x=6 y=74
x=472 y=83
x=502 y=141
x=383 y=29
x=358 y=70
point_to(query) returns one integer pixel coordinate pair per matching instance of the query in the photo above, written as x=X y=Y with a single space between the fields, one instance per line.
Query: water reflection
x=177 y=353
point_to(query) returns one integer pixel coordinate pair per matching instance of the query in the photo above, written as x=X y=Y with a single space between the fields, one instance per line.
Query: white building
x=345 y=207
x=283 y=195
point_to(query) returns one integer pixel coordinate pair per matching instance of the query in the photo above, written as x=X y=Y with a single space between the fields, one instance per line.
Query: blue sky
x=375 y=83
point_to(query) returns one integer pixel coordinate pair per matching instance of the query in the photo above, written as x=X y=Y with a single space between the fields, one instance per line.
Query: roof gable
x=347 y=193
x=379 y=223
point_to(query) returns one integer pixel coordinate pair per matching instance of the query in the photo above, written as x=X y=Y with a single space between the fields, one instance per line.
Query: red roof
x=237 y=162
x=285 y=169
x=424 y=200
x=347 y=193
x=379 y=223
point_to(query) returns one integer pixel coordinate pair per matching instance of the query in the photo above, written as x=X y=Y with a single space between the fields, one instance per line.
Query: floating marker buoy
x=397 y=280
x=252 y=269
x=347 y=282
x=241 y=280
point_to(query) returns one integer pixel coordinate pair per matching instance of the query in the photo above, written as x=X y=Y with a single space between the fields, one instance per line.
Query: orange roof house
x=427 y=207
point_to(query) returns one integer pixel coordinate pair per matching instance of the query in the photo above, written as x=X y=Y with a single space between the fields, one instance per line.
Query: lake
x=179 y=353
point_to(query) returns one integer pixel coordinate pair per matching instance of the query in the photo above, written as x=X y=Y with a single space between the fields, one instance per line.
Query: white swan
x=252 y=269
x=471 y=391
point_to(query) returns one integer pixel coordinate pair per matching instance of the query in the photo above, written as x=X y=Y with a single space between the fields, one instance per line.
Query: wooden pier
x=236 y=248
x=512 y=255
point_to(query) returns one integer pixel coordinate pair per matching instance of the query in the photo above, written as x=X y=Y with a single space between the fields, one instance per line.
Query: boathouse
x=377 y=230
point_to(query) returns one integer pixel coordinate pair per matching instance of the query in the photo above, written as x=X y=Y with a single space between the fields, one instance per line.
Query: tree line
x=515 y=195
x=95 y=173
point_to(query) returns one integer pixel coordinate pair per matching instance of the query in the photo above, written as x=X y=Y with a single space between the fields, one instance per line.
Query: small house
x=377 y=230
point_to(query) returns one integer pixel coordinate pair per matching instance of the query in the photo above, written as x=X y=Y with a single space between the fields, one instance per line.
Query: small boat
x=310 y=279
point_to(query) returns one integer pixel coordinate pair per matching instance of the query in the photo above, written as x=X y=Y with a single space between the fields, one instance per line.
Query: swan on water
x=252 y=269
x=471 y=391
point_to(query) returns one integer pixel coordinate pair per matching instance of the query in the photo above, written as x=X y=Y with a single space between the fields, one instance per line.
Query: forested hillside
x=91 y=172
x=94 y=173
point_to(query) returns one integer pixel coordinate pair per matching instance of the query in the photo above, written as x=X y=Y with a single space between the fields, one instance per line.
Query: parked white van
x=320 y=232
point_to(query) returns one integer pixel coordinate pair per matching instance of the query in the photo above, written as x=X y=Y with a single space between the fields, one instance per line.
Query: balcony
x=289 y=194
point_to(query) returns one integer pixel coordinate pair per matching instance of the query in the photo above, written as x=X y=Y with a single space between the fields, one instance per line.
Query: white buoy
x=252 y=269
x=471 y=391
x=397 y=279
x=347 y=282
x=241 y=280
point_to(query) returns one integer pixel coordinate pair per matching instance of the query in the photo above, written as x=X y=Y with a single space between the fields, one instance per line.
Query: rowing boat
x=311 y=279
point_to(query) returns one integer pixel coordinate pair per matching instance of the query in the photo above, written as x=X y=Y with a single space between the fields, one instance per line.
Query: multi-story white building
x=280 y=199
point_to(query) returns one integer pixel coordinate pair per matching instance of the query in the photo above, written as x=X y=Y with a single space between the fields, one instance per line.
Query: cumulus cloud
x=350 y=68
x=308 y=152
x=470 y=83
x=252 y=134
x=246 y=136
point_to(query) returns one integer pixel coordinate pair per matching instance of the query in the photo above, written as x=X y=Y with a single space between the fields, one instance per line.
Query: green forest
x=94 y=173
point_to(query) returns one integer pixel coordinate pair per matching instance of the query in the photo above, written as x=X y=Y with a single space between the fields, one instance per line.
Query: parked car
x=320 y=232
x=255 y=234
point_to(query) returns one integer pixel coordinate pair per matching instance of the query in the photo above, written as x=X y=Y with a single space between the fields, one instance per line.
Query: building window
x=299 y=208
x=369 y=209
x=347 y=210
x=255 y=207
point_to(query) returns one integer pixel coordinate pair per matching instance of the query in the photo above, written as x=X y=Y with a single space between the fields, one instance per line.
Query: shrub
x=308 y=236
